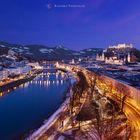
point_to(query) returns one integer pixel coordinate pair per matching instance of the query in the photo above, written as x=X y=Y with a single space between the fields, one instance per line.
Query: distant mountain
x=40 y=52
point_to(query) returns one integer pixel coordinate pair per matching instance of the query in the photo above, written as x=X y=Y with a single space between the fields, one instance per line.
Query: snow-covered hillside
x=44 y=52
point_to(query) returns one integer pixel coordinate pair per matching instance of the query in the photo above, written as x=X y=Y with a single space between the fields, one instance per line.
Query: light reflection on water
x=26 y=107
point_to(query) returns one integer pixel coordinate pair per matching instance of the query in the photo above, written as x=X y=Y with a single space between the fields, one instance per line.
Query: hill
x=40 y=52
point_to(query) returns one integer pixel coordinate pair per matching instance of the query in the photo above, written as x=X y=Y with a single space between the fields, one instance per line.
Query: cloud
x=129 y=18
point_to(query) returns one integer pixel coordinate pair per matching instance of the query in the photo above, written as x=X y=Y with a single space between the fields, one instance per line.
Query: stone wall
x=121 y=88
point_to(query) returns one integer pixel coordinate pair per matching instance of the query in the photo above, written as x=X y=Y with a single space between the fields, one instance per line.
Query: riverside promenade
x=55 y=120
x=101 y=81
x=59 y=120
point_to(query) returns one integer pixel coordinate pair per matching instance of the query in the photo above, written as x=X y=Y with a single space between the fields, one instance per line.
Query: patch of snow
x=89 y=49
x=49 y=122
x=2 y=46
x=26 y=48
x=29 y=53
x=43 y=50
x=17 y=49
x=65 y=48
x=46 y=50
x=20 y=50
x=14 y=48
x=82 y=52
x=51 y=50
x=61 y=47
x=76 y=53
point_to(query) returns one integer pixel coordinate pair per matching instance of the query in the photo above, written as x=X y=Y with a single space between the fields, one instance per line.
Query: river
x=24 y=109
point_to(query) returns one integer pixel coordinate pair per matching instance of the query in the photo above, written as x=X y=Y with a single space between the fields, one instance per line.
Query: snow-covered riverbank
x=55 y=117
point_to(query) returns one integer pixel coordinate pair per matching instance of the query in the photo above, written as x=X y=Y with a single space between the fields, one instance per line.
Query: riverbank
x=10 y=86
x=47 y=128
x=55 y=120
x=120 y=90
x=64 y=115
x=34 y=102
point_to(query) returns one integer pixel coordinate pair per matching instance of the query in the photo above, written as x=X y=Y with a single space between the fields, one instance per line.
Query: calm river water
x=25 y=108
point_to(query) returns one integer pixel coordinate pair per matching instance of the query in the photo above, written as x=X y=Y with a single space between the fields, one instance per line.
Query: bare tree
x=93 y=85
x=123 y=91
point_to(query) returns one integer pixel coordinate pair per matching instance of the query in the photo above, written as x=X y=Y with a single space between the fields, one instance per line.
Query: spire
x=103 y=56
x=128 y=58
x=97 y=56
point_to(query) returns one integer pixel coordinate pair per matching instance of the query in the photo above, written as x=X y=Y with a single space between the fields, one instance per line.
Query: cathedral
x=119 y=60
x=117 y=54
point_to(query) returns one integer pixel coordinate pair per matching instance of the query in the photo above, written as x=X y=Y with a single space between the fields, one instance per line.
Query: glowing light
x=57 y=82
x=1 y=94
x=61 y=81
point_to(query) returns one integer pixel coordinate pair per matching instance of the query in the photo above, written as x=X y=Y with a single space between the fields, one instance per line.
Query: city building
x=35 y=65
x=117 y=54
x=121 y=46
x=19 y=70
x=4 y=74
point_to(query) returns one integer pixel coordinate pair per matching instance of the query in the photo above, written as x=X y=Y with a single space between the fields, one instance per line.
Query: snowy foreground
x=38 y=133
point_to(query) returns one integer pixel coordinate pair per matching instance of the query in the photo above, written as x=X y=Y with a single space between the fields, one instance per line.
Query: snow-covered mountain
x=39 y=52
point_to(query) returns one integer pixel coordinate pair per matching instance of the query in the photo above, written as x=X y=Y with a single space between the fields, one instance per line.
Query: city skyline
x=70 y=69
x=76 y=25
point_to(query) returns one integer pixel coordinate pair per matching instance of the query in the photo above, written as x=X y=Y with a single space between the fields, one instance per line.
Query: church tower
x=103 y=57
x=97 y=56
x=129 y=58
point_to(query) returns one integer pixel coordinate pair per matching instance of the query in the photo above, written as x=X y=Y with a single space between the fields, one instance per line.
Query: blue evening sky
x=94 y=23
